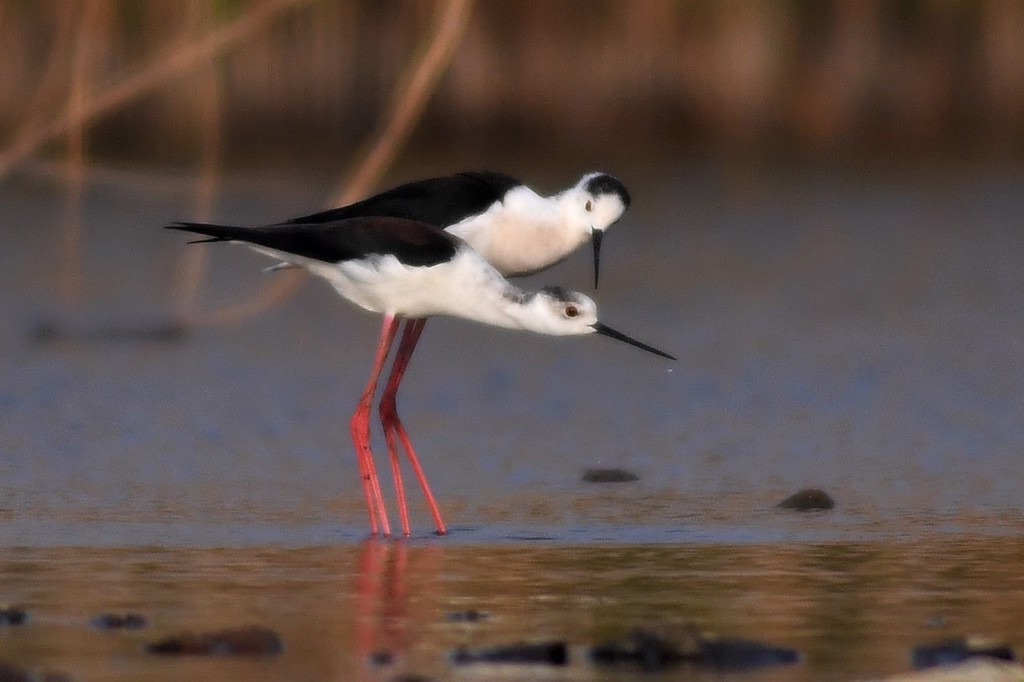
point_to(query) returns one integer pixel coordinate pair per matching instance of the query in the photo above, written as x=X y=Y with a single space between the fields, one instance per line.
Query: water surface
x=859 y=334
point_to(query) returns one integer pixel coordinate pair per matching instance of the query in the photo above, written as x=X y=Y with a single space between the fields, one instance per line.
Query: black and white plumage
x=517 y=230
x=411 y=270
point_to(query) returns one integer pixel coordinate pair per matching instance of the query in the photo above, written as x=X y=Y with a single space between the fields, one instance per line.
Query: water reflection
x=379 y=609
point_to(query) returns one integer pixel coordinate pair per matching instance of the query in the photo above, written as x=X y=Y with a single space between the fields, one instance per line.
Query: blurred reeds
x=312 y=78
x=342 y=85
x=408 y=101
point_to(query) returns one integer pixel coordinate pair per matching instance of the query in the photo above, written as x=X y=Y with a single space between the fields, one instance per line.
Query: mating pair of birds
x=442 y=246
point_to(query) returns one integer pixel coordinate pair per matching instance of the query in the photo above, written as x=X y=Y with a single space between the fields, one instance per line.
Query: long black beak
x=605 y=330
x=595 y=238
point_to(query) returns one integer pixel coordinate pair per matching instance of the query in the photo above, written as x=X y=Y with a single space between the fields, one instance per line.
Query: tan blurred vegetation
x=307 y=81
x=354 y=87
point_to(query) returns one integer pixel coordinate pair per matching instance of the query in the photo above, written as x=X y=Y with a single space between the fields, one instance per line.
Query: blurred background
x=297 y=83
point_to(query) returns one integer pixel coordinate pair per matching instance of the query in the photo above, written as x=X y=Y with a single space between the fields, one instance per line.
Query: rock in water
x=646 y=650
x=544 y=653
x=12 y=615
x=957 y=650
x=119 y=621
x=249 y=641
x=808 y=499
x=653 y=653
x=608 y=476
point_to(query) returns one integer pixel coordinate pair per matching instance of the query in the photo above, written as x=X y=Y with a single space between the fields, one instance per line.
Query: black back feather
x=411 y=242
x=440 y=201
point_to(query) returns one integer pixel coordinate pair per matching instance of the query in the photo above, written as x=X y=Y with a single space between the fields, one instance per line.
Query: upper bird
x=517 y=230
x=413 y=270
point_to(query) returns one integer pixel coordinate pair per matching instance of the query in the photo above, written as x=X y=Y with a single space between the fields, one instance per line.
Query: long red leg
x=360 y=427
x=389 y=414
x=393 y=425
x=388 y=417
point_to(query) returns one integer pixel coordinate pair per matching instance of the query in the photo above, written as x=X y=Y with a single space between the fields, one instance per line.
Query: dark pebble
x=467 y=616
x=382 y=657
x=47 y=332
x=957 y=650
x=120 y=621
x=250 y=641
x=646 y=650
x=742 y=653
x=13 y=616
x=545 y=653
x=14 y=673
x=652 y=653
x=608 y=476
x=808 y=499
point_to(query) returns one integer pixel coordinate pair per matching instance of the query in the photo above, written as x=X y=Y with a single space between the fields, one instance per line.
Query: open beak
x=605 y=330
x=595 y=239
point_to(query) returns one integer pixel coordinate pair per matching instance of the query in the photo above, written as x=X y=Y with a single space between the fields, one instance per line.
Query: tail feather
x=411 y=242
x=214 y=233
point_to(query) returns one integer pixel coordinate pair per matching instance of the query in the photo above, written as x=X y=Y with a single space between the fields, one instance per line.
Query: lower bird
x=406 y=269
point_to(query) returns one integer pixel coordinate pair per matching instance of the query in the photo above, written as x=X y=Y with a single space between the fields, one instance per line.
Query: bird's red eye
x=589 y=206
x=571 y=311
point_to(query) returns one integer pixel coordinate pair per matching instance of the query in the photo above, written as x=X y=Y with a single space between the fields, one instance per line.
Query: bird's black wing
x=440 y=201
x=411 y=242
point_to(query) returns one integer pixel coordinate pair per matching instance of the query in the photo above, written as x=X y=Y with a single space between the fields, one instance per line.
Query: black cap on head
x=607 y=184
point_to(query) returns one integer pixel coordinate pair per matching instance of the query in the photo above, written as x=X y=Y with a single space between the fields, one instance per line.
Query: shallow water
x=853 y=610
x=859 y=334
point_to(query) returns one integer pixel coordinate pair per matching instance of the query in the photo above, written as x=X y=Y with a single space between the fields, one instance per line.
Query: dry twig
x=193 y=264
x=157 y=74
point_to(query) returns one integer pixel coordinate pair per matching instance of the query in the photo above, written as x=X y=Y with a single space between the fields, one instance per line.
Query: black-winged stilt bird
x=518 y=231
x=408 y=269
x=514 y=228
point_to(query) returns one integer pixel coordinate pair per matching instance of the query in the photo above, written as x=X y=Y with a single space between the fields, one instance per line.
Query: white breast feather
x=524 y=234
x=465 y=287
